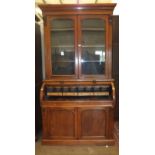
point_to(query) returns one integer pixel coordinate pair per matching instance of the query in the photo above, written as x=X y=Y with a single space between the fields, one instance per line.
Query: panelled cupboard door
x=59 y=123
x=78 y=46
x=77 y=123
x=92 y=123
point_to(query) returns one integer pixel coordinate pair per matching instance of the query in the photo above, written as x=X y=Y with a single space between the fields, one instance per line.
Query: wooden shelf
x=93 y=29
x=64 y=29
x=92 y=61
x=72 y=46
x=93 y=46
x=65 y=61
x=83 y=29
x=63 y=46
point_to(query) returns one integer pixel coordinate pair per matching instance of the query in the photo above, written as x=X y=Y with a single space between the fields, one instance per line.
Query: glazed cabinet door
x=61 y=40
x=78 y=47
x=93 y=46
x=92 y=123
x=59 y=123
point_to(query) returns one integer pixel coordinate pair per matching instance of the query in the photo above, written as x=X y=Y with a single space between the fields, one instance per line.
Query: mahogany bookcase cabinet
x=78 y=93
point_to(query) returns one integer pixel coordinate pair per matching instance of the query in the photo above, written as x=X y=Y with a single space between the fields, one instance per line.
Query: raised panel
x=92 y=123
x=60 y=123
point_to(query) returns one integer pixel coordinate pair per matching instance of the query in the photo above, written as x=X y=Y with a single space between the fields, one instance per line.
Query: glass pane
x=63 y=54
x=62 y=47
x=93 y=54
x=62 y=24
x=63 y=68
x=93 y=46
x=62 y=38
x=93 y=23
x=93 y=38
x=93 y=67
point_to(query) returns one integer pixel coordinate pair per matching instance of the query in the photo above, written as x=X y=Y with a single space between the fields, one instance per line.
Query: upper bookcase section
x=78 y=41
x=53 y=9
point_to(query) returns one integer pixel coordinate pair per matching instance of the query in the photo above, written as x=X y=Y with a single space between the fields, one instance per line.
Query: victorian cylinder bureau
x=78 y=93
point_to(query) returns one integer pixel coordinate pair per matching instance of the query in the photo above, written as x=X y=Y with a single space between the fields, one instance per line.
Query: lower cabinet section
x=77 y=125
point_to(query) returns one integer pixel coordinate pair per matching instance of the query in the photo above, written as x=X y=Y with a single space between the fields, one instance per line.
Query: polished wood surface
x=59 y=123
x=79 y=142
x=77 y=119
x=92 y=122
x=85 y=117
x=107 y=8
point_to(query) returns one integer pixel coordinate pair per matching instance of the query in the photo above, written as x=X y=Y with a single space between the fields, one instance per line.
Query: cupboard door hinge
x=110 y=19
